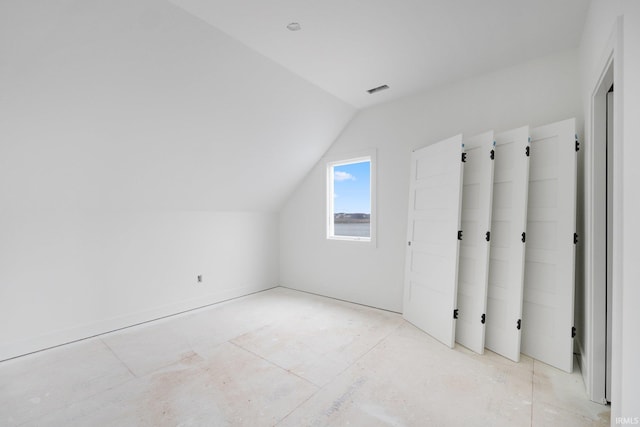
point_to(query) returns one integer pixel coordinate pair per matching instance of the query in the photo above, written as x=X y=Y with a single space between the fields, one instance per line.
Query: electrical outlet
x=199 y=278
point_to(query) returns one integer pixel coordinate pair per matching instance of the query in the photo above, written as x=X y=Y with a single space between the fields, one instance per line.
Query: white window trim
x=339 y=160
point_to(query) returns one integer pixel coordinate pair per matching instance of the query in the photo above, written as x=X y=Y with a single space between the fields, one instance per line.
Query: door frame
x=593 y=346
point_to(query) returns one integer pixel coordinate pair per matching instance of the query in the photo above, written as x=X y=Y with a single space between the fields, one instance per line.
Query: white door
x=473 y=263
x=508 y=222
x=432 y=245
x=547 y=318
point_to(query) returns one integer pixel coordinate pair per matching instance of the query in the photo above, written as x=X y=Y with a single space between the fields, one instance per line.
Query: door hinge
x=408 y=243
x=577 y=144
x=492 y=154
x=575 y=238
x=455 y=313
x=459 y=234
x=526 y=151
x=488 y=236
x=524 y=237
x=519 y=324
x=483 y=318
x=573 y=332
x=464 y=157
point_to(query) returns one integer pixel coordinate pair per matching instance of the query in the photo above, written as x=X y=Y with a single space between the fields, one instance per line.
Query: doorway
x=609 y=240
x=601 y=227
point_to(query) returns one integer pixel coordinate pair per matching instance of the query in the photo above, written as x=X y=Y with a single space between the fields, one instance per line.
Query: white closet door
x=547 y=320
x=473 y=263
x=432 y=251
x=508 y=222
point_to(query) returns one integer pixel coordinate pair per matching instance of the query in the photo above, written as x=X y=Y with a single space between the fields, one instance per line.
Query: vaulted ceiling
x=215 y=104
x=137 y=104
x=349 y=46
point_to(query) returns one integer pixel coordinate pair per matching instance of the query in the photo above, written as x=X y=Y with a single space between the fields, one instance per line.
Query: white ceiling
x=137 y=104
x=348 y=46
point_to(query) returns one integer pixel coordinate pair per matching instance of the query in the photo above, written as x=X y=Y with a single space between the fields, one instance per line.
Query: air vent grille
x=378 y=89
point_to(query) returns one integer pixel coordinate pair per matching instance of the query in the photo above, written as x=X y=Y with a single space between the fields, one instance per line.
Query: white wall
x=629 y=394
x=69 y=274
x=534 y=93
x=139 y=147
x=630 y=295
x=599 y=27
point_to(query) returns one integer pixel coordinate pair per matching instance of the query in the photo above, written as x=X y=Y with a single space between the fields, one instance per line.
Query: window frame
x=331 y=163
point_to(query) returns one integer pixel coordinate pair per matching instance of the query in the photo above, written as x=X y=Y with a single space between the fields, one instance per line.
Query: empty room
x=310 y=213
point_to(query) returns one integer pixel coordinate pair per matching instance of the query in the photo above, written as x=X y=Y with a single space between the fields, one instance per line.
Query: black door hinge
x=575 y=238
x=577 y=144
x=483 y=318
x=492 y=154
x=488 y=236
x=524 y=237
x=519 y=324
x=455 y=313
x=464 y=157
x=573 y=332
x=459 y=234
x=526 y=151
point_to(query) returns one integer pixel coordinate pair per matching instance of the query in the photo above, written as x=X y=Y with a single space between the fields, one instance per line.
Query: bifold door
x=508 y=223
x=432 y=244
x=547 y=322
x=473 y=261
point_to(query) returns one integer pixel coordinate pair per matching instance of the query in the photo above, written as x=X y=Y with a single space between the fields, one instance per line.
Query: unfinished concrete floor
x=285 y=358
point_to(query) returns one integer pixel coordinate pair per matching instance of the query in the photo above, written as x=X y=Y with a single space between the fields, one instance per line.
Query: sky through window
x=352 y=188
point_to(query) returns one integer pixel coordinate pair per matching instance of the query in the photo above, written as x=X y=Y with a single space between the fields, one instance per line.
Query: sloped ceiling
x=214 y=104
x=138 y=104
x=348 y=46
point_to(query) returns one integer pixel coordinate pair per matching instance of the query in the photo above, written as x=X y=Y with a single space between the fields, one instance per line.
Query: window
x=350 y=201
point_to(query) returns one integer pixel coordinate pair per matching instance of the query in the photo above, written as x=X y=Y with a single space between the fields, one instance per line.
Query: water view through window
x=352 y=199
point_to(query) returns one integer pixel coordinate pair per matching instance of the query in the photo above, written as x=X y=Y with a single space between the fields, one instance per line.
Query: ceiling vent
x=378 y=89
